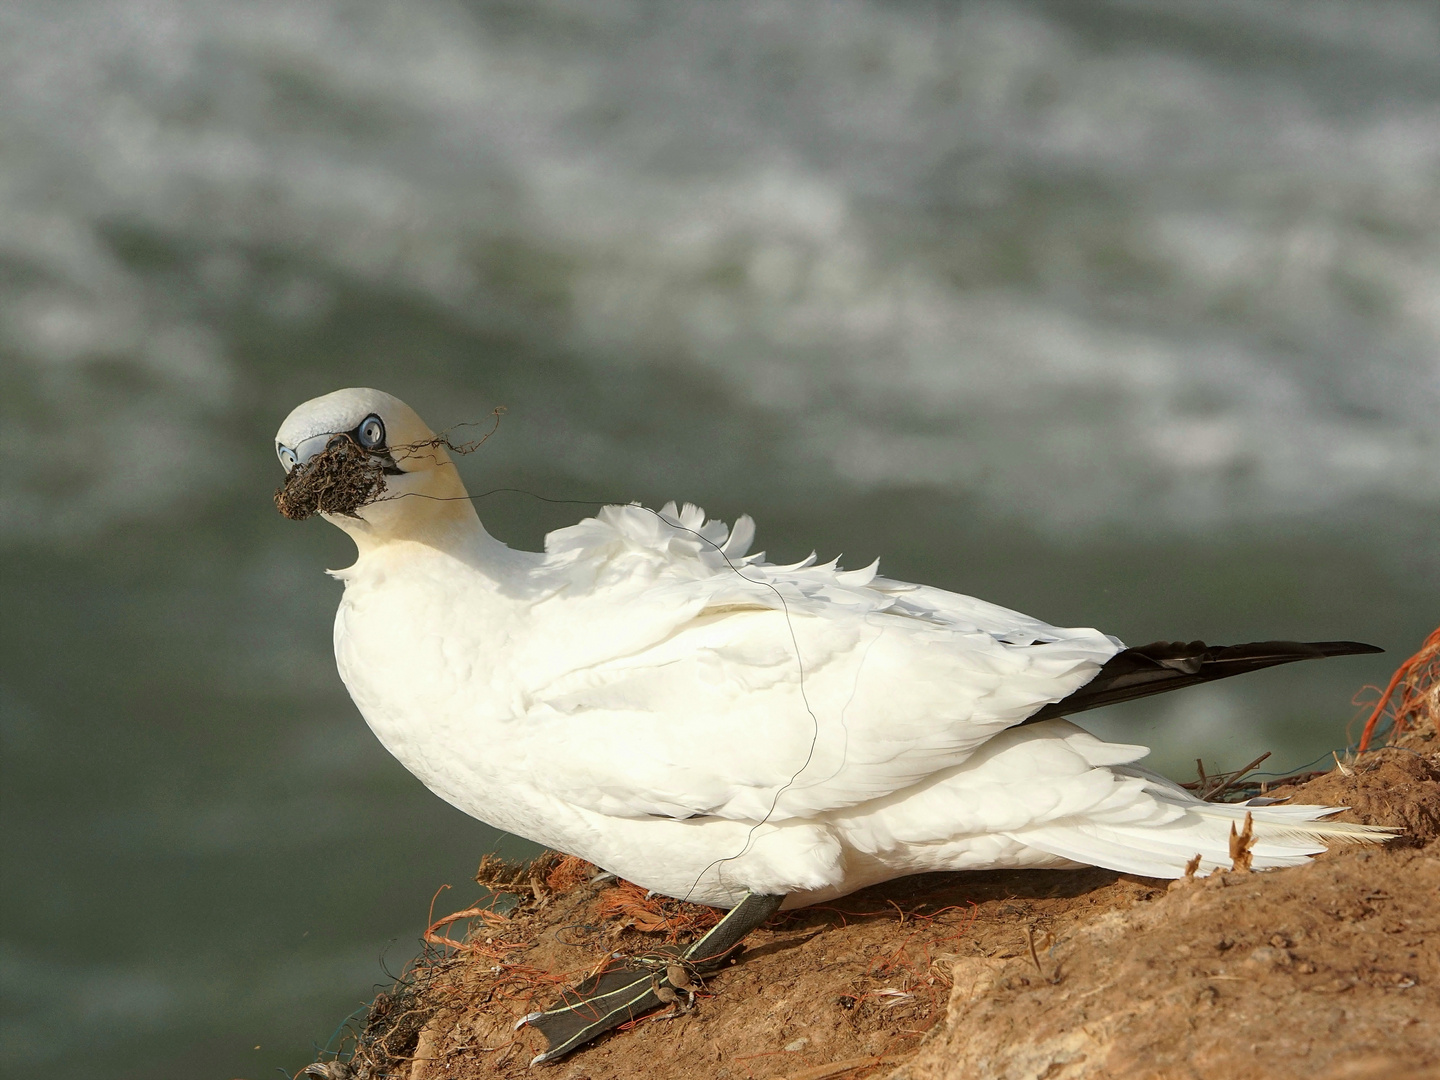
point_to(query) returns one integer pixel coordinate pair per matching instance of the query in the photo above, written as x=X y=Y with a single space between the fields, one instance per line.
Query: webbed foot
x=628 y=991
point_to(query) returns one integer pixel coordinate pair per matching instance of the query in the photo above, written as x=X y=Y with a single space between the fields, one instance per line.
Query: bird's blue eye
x=371 y=432
x=287 y=457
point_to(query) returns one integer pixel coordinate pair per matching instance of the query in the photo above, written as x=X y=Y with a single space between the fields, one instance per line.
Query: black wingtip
x=1162 y=666
x=1346 y=648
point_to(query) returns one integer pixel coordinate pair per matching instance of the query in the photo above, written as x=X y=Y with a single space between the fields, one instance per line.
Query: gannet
x=648 y=695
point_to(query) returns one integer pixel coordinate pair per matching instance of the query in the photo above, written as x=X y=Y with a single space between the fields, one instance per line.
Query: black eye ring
x=371 y=432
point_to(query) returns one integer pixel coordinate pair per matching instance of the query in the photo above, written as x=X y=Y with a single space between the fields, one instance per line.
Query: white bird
x=648 y=696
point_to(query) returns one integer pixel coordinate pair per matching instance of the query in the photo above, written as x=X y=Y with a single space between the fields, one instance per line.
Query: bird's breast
x=424 y=658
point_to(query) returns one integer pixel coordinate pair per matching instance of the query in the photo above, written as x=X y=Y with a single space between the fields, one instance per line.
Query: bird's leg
x=721 y=940
x=620 y=994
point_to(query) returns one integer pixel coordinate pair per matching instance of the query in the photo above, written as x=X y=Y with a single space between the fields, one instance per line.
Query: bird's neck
x=431 y=509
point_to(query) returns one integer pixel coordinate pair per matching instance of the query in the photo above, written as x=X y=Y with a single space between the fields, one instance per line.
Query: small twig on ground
x=1054 y=977
x=837 y=1069
x=1213 y=788
x=1231 y=779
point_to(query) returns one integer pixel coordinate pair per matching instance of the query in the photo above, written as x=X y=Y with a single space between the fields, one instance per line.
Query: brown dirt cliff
x=1329 y=971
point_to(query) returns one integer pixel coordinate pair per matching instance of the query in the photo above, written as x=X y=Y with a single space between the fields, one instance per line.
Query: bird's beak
x=309 y=449
x=314 y=445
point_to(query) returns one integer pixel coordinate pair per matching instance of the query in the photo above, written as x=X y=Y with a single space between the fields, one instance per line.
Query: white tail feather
x=1284 y=836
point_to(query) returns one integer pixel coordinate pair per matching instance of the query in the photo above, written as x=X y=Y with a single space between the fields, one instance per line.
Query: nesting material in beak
x=339 y=480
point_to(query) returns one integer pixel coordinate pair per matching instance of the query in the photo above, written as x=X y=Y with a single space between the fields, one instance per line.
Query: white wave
x=1088 y=275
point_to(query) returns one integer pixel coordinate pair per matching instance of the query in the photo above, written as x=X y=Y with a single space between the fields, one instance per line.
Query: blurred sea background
x=1125 y=314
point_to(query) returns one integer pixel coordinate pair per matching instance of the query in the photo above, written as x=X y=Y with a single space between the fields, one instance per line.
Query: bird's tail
x=1281 y=836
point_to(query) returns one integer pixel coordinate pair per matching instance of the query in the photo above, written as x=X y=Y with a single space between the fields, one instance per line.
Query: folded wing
x=713 y=683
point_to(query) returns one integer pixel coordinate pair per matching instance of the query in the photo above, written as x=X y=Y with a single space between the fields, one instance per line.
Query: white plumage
x=649 y=696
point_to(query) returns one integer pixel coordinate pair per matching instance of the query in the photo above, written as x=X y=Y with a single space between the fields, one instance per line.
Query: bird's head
x=366 y=462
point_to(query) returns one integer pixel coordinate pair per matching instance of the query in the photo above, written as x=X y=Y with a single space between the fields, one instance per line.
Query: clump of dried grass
x=383 y=1042
x=541 y=878
x=339 y=480
x=381 y=1045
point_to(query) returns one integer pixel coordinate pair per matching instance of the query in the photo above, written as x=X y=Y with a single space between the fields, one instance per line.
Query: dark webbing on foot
x=633 y=988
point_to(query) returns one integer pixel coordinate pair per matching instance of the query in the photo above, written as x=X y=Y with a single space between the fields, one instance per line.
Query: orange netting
x=570 y=871
x=629 y=905
x=493 y=920
x=1415 y=688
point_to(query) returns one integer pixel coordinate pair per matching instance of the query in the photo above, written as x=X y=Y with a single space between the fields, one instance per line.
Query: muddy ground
x=1329 y=971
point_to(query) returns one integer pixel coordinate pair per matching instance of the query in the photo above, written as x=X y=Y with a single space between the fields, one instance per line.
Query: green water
x=206 y=850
